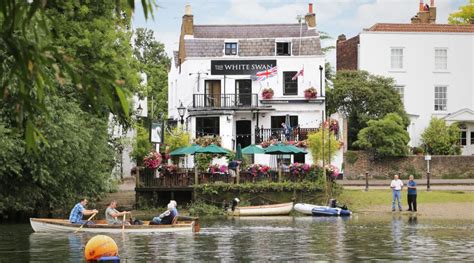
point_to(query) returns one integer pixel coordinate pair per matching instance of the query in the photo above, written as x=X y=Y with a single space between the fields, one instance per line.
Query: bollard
x=366 y=181
x=428 y=181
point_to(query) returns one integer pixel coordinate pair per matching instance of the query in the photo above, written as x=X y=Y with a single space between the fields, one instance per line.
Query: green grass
x=358 y=200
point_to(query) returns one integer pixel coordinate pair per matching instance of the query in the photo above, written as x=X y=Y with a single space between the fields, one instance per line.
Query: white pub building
x=221 y=74
x=432 y=65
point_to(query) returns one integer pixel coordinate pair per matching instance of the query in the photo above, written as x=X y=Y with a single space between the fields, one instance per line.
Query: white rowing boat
x=305 y=208
x=100 y=226
x=263 y=210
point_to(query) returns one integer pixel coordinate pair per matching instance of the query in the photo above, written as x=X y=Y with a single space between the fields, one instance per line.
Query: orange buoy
x=100 y=246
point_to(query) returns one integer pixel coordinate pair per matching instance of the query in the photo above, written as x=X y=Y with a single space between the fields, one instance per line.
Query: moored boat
x=304 y=208
x=330 y=211
x=263 y=210
x=100 y=226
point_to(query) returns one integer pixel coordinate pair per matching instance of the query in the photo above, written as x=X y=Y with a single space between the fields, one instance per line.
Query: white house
x=214 y=77
x=432 y=65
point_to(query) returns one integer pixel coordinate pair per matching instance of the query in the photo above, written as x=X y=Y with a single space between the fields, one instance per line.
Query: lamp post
x=320 y=80
x=181 y=111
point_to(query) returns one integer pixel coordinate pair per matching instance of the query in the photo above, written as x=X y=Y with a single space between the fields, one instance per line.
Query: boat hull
x=305 y=208
x=329 y=211
x=263 y=210
x=63 y=225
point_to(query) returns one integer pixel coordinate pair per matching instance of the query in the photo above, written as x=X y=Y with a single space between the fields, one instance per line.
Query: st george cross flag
x=300 y=73
x=262 y=75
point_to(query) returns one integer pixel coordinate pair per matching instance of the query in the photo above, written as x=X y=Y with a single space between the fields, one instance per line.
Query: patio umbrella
x=238 y=153
x=280 y=149
x=212 y=149
x=252 y=149
x=186 y=150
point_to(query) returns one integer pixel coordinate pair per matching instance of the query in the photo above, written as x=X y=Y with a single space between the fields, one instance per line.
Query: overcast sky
x=335 y=17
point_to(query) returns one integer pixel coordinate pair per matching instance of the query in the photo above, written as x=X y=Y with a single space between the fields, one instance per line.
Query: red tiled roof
x=386 y=27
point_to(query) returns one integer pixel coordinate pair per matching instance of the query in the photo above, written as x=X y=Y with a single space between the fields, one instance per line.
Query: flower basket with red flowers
x=310 y=93
x=334 y=126
x=152 y=160
x=331 y=171
x=267 y=143
x=267 y=93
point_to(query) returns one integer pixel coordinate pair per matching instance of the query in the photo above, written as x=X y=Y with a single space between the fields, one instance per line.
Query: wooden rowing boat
x=263 y=210
x=100 y=226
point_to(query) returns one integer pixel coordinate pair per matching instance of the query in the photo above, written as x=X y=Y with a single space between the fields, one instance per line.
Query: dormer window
x=231 y=49
x=283 y=48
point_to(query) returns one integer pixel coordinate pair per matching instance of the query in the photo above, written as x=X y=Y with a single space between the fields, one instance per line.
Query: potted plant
x=152 y=160
x=267 y=93
x=310 y=93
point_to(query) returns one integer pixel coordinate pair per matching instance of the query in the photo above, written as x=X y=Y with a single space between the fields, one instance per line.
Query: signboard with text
x=240 y=67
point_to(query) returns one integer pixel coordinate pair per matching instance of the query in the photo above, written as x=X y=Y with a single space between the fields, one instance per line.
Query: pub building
x=224 y=74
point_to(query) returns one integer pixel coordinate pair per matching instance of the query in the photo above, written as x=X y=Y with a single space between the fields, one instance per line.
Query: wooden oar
x=123 y=223
x=85 y=222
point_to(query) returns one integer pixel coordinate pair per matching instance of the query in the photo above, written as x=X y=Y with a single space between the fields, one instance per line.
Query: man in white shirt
x=397 y=186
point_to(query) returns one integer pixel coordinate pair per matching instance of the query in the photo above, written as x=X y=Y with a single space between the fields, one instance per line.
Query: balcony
x=225 y=101
x=296 y=134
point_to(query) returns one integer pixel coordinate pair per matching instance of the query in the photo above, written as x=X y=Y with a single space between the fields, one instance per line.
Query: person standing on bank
x=397 y=186
x=411 y=196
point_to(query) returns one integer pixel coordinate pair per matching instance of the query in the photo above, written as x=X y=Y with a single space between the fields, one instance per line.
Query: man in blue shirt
x=411 y=194
x=78 y=211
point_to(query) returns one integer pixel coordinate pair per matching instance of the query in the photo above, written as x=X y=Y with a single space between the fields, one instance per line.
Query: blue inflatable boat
x=330 y=211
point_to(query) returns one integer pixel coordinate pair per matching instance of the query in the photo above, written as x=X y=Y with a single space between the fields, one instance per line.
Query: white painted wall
x=419 y=76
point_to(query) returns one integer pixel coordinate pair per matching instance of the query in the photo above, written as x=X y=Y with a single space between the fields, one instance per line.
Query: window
x=440 y=103
x=231 y=49
x=441 y=59
x=276 y=121
x=472 y=138
x=207 y=126
x=463 y=138
x=283 y=48
x=290 y=87
x=401 y=92
x=397 y=58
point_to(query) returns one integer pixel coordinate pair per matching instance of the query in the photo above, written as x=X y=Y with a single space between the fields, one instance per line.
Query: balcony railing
x=296 y=134
x=225 y=100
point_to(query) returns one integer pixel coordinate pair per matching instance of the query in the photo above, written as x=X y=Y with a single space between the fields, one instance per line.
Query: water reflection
x=390 y=237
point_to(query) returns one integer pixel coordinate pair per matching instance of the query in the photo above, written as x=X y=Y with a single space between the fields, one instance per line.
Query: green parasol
x=212 y=149
x=186 y=150
x=281 y=148
x=252 y=149
x=238 y=153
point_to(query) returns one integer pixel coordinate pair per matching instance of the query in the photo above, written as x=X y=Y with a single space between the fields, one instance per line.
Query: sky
x=334 y=17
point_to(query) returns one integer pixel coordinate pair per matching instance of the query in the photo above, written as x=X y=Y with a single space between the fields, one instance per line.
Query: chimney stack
x=420 y=9
x=426 y=14
x=187 y=28
x=310 y=17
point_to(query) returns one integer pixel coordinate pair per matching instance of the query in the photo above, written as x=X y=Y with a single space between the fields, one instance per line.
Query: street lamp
x=320 y=80
x=181 y=110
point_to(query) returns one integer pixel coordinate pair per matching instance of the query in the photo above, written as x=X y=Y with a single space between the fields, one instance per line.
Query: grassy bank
x=359 y=200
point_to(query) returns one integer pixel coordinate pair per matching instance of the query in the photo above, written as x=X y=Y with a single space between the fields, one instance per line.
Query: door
x=212 y=93
x=244 y=91
x=244 y=133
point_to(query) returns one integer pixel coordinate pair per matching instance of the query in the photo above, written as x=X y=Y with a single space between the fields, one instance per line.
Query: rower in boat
x=111 y=214
x=79 y=210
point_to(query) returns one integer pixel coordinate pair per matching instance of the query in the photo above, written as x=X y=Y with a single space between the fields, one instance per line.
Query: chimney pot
x=187 y=10
x=310 y=8
x=421 y=6
x=431 y=3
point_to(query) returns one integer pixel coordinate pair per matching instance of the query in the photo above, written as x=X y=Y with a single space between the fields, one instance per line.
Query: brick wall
x=356 y=163
x=346 y=53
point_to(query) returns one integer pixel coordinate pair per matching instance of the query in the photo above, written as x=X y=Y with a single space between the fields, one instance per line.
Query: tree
x=363 y=97
x=441 y=139
x=464 y=16
x=155 y=64
x=142 y=145
x=385 y=137
x=315 y=145
x=177 y=138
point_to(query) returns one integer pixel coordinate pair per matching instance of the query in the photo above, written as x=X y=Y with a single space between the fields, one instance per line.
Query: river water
x=361 y=237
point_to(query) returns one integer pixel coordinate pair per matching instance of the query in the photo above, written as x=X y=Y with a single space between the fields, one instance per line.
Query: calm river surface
x=361 y=237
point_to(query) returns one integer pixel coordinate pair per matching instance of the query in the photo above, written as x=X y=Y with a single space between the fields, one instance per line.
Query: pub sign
x=240 y=67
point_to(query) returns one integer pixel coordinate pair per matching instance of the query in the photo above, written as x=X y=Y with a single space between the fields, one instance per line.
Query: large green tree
x=441 y=139
x=155 y=64
x=315 y=145
x=464 y=16
x=385 y=137
x=362 y=97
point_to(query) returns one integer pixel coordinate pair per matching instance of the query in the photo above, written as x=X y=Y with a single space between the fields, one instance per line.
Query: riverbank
x=433 y=204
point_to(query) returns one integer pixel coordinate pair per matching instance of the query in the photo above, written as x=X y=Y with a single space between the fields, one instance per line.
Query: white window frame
x=438 y=100
x=437 y=58
x=392 y=68
x=290 y=47
x=401 y=88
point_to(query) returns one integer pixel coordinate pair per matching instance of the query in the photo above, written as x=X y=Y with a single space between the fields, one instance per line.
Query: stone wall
x=356 y=163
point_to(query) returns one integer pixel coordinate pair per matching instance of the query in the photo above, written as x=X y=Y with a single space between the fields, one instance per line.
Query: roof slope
x=253 y=31
x=388 y=27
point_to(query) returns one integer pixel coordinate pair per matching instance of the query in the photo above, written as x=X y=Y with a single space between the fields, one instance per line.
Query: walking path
x=435 y=184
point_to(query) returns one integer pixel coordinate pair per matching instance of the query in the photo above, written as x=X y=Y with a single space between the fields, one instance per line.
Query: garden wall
x=356 y=163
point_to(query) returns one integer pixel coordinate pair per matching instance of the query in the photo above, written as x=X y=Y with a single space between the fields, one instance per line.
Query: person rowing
x=111 y=214
x=79 y=210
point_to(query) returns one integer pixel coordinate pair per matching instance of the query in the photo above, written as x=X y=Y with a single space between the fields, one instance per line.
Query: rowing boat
x=100 y=226
x=263 y=210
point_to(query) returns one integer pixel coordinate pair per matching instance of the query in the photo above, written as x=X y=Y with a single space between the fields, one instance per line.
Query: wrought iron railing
x=225 y=100
x=295 y=134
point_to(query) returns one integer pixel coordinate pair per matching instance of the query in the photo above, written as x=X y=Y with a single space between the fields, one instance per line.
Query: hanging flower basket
x=334 y=126
x=267 y=93
x=152 y=160
x=310 y=93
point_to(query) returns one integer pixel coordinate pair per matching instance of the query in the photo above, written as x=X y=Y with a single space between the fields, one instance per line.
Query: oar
x=123 y=222
x=85 y=222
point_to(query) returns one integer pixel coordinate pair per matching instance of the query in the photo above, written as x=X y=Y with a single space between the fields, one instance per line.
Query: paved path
x=435 y=184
